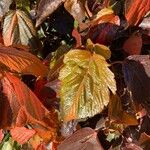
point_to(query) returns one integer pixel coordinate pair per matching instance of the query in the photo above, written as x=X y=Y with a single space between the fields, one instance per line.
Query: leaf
x=133 y=45
x=46 y=8
x=136 y=70
x=18 y=29
x=22 y=62
x=135 y=10
x=4 y=7
x=85 y=139
x=104 y=33
x=106 y=15
x=1 y=135
x=19 y=107
x=76 y=9
x=99 y=49
x=21 y=134
x=90 y=79
x=8 y=145
x=118 y=115
x=77 y=37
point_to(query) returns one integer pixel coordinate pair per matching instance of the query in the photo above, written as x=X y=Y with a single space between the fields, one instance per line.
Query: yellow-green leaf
x=86 y=82
x=99 y=49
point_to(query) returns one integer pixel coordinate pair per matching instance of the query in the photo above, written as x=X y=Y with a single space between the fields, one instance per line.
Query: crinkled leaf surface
x=86 y=81
x=136 y=70
x=83 y=139
x=135 y=10
x=22 y=62
x=21 y=134
x=19 y=107
x=46 y=8
x=18 y=29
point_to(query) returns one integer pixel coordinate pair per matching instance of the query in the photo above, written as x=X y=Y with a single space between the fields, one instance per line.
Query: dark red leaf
x=133 y=45
x=85 y=139
x=77 y=36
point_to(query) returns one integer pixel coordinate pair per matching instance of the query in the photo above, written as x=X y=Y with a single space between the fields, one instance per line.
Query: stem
x=117 y=62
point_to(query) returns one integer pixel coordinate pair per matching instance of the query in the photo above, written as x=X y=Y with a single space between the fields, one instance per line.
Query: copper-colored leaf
x=46 y=8
x=104 y=16
x=77 y=37
x=85 y=84
x=85 y=139
x=21 y=134
x=19 y=107
x=133 y=45
x=135 y=10
x=117 y=114
x=1 y=135
x=137 y=76
x=18 y=29
x=22 y=62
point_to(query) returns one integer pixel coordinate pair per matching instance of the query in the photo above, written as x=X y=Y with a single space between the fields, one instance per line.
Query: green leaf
x=86 y=82
x=23 y=4
x=18 y=29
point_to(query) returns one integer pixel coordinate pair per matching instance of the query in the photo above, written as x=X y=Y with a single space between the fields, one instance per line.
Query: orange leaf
x=1 y=135
x=133 y=45
x=19 y=107
x=22 y=62
x=21 y=134
x=135 y=10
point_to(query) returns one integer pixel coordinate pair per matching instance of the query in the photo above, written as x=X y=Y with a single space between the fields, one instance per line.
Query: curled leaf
x=86 y=81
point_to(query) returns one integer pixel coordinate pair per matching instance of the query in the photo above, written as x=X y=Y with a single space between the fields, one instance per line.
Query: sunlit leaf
x=18 y=29
x=21 y=134
x=135 y=10
x=133 y=45
x=136 y=70
x=4 y=7
x=99 y=49
x=8 y=145
x=85 y=84
x=104 y=16
x=22 y=62
x=19 y=107
x=85 y=139
x=46 y=8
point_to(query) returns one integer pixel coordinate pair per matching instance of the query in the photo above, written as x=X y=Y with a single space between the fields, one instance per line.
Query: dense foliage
x=75 y=74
